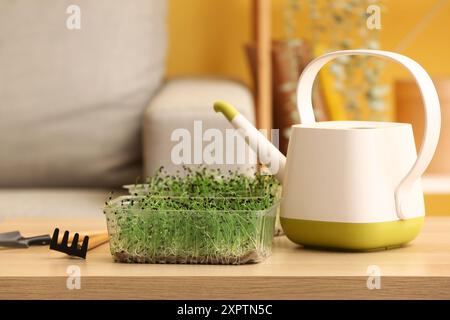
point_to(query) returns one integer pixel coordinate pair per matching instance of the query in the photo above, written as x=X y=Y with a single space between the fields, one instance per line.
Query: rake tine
x=65 y=240
x=84 y=247
x=75 y=240
x=74 y=246
x=54 y=240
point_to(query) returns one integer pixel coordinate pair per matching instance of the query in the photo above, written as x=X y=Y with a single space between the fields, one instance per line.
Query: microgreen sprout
x=200 y=216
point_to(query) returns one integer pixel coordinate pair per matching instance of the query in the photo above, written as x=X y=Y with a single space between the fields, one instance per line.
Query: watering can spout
x=267 y=153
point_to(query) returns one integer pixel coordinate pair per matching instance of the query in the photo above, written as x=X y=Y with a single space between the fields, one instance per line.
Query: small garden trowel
x=15 y=240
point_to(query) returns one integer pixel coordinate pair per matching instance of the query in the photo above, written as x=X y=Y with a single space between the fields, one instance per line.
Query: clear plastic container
x=224 y=230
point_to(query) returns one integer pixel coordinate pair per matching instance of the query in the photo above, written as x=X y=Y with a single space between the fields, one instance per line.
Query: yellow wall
x=208 y=36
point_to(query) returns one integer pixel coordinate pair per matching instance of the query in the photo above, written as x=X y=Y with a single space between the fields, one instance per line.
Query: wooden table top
x=419 y=270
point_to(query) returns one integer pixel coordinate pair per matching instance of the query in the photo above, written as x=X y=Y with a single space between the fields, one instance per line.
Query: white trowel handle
x=253 y=137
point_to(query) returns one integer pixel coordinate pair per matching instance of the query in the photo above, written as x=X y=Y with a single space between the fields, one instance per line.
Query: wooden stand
x=263 y=85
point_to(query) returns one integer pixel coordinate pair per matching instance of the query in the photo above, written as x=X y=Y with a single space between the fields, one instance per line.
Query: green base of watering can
x=352 y=236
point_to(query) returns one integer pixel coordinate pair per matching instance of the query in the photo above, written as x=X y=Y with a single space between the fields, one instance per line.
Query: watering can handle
x=429 y=97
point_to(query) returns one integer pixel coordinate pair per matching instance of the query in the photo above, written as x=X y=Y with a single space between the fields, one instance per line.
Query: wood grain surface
x=419 y=270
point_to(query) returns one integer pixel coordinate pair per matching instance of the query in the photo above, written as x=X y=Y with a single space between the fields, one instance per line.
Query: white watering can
x=351 y=185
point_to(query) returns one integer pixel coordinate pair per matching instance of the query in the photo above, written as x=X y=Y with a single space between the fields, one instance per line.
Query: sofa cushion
x=72 y=101
x=179 y=105
x=54 y=202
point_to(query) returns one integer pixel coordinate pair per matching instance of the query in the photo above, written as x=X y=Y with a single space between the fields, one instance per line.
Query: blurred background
x=365 y=89
x=417 y=29
x=90 y=91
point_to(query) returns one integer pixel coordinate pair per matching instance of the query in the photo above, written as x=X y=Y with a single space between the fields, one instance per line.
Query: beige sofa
x=73 y=103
